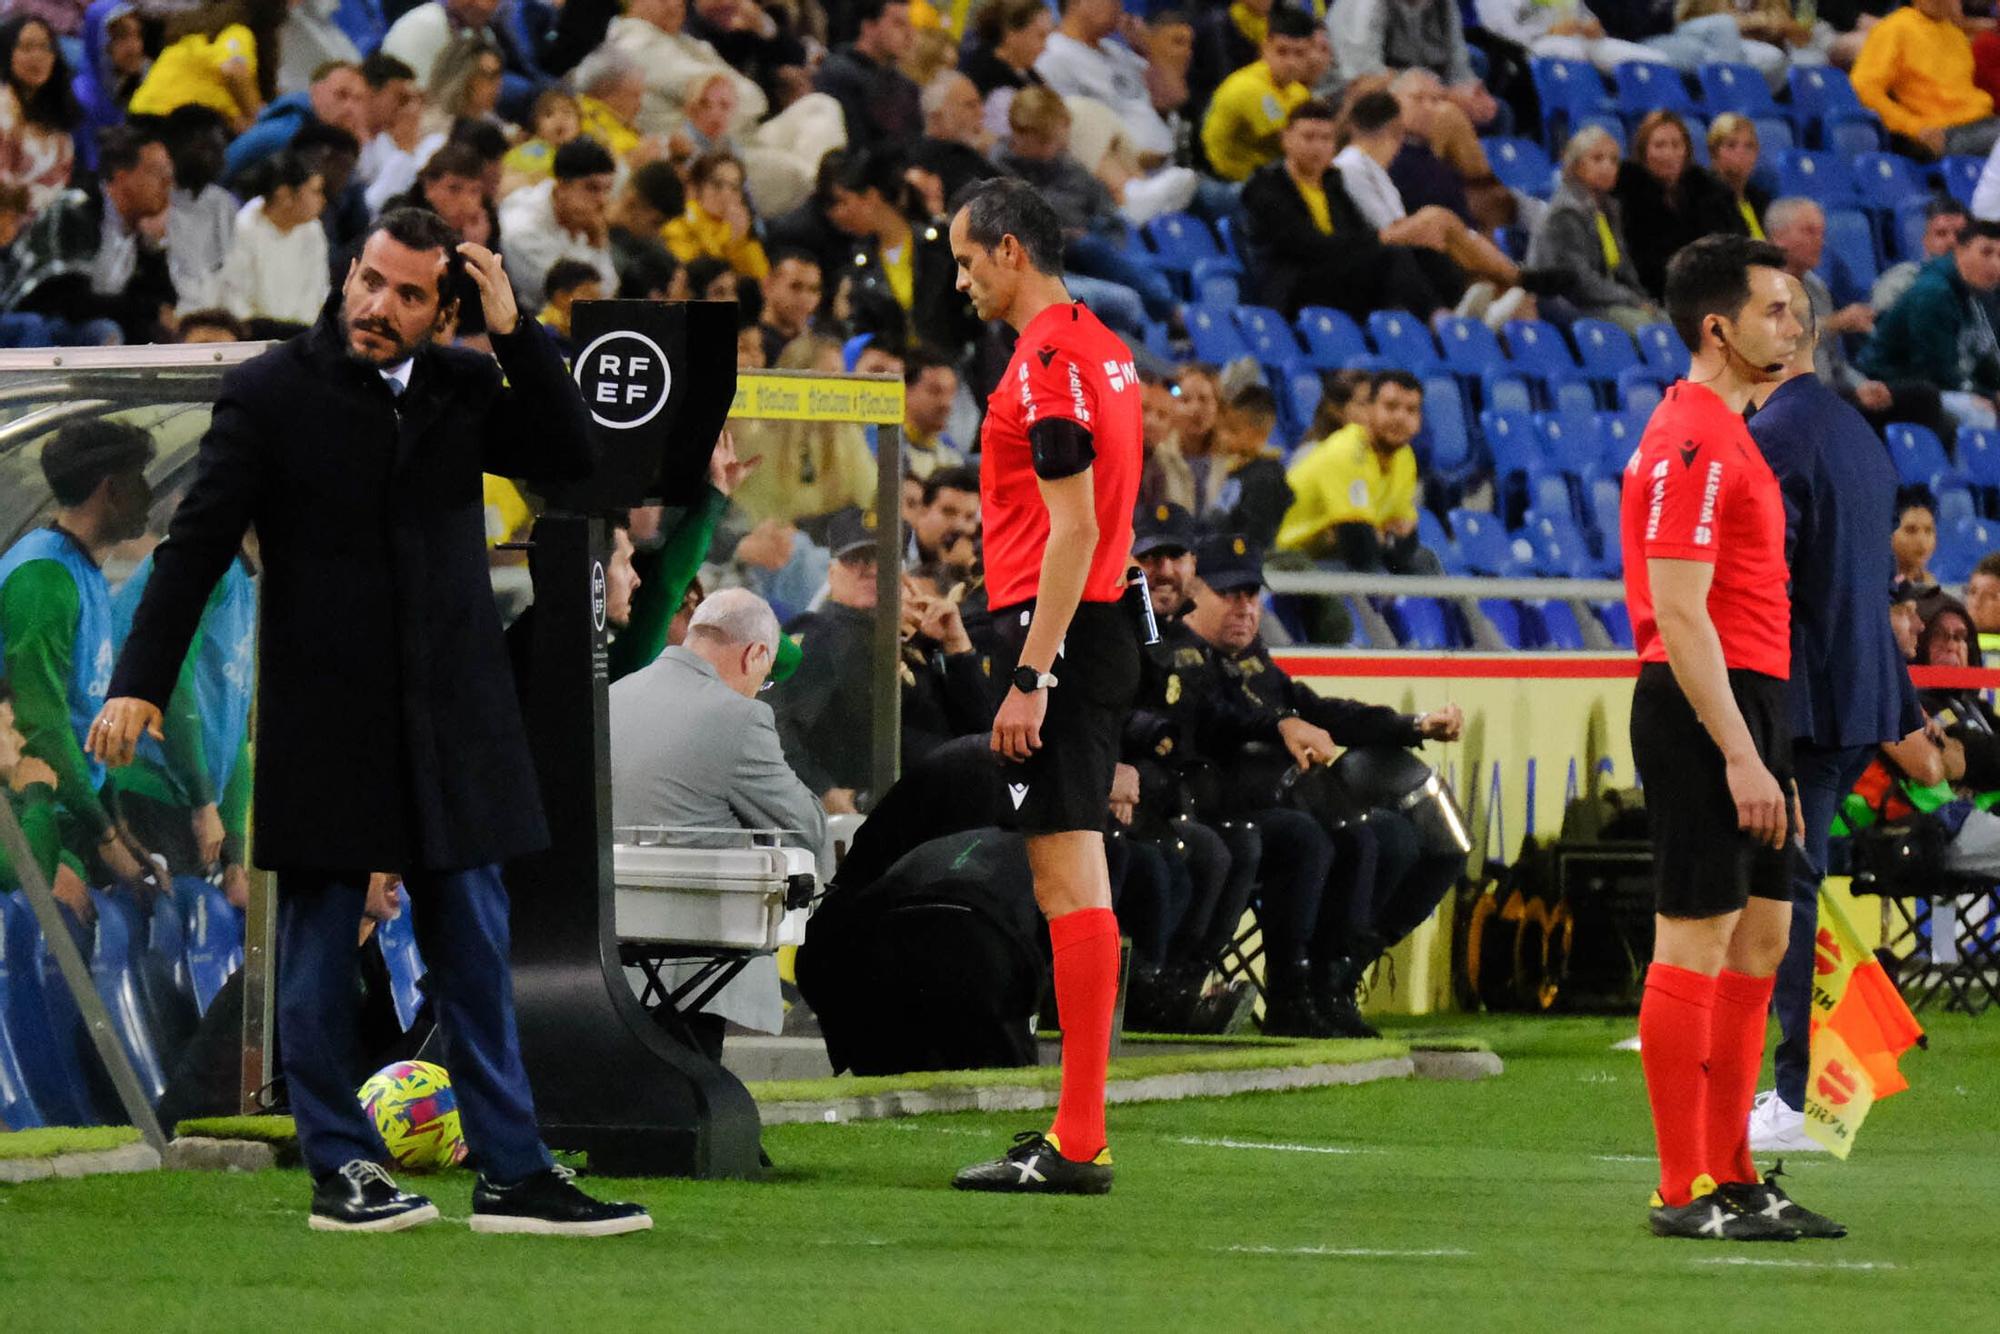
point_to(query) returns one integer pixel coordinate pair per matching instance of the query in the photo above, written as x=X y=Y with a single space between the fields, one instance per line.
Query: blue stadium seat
x=25 y=1034
x=1445 y=442
x=113 y=968
x=1270 y=338
x=1698 y=138
x=1507 y=622
x=1850 y=264
x=1538 y=347
x=1775 y=134
x=1959 y=549
x=1738 y=88
x=1906 y=228
x=1560 y=549
x=1306 y=390
x=1604 y=349
x=1506 y=389
x=1216 y=337
x=1601 y=500
x=1961 y=176
x=1617 y=436
x=1617 y=622
x=1513 y=242
x=214 y=942
x=1852 y=135
x=1979 y=457
x=1570 y=392
x=1817 y=174
x=1431 y=534
x=1486 y=544
x=1888 y=179
x=1569 y=91
x=1521 y=164
x=1402 y=338
x=1823 y=98
x=1217 y=282
x=1569 y=441
x=1639 y=390
x=1549 y=492
x=1332 y=338
x=1662 y=349
x=1470 y=348
x=1225 y=230
x=50 y=1043
x=1644 y=86
x=1954 y=504
x=1421 y=623
x=1179 y=240
x=1920 y=457
x=1512 y=442
x=1559 y=625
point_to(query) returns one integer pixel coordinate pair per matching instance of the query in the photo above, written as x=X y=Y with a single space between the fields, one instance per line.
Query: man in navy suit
x=389 y=740
x=1850 y=689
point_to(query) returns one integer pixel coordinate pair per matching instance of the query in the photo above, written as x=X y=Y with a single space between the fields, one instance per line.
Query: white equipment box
x=750 y=899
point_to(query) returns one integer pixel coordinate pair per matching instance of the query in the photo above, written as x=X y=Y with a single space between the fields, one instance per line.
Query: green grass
x=63 y=1139
x=1532 y=1186
x=263 y=1129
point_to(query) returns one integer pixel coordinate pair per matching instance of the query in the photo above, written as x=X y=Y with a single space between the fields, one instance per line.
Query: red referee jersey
x=1697 y=488
x=1066 y=365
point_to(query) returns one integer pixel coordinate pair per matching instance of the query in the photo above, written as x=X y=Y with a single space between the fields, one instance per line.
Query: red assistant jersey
x=1067 y=366
x=1697 y=488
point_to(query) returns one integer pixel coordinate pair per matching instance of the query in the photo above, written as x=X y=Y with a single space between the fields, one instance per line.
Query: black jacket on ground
x=388 y=736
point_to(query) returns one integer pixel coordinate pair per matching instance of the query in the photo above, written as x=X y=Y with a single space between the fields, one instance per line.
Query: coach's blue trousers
x=461 y=928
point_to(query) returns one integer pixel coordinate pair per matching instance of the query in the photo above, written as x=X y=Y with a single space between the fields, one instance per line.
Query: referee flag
x=1860 y=1027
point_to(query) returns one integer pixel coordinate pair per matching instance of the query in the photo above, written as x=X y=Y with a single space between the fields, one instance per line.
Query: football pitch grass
x=1515 y=1203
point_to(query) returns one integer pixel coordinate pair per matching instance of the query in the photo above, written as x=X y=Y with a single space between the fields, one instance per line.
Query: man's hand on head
x=496 y=293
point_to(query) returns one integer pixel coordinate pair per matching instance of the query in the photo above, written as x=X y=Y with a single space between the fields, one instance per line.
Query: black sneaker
x=1714 y=1216
x=1294 y=1016
x=1767 y=1199
x=1035 y=1166
x=548 y=1204
x=361 y=1197
x=1227 y=1010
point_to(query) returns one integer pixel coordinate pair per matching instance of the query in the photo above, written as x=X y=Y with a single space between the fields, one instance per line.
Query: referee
x=1703 y=531
x=1059 y=473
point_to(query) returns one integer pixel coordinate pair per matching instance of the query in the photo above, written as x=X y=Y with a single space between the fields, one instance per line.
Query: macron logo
x=1019 y=792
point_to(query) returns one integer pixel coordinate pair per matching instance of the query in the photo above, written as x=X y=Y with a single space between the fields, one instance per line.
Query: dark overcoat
x=388 y=733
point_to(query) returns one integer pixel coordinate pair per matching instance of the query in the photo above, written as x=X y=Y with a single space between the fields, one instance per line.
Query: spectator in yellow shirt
x=1354 y=495
x=215 y=70
x=1915 y=72
x=1247 y=115
x=717 y=223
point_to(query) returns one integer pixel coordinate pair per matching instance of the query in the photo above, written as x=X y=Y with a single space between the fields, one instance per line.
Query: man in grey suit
x=692 y=747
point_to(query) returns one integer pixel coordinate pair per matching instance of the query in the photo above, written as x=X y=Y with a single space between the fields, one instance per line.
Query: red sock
x=1735 y=1055
x=1673 y=1049
x=1086 y=959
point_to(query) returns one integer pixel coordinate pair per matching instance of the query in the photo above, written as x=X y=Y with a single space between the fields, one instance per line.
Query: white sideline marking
x=1274 y=1148
x=1622 y=1157
x=1352 y=1252
x=1753 y=1261
x=1626 y=1044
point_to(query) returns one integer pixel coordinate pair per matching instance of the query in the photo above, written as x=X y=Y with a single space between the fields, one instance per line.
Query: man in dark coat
x=389 y=741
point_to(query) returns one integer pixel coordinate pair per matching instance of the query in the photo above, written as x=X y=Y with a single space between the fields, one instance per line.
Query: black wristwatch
x=1027 y=680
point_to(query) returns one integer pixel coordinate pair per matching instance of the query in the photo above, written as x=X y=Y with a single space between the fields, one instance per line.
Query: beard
x=402 y=349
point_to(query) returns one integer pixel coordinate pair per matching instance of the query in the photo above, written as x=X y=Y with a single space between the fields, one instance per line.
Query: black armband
x=1061 y=448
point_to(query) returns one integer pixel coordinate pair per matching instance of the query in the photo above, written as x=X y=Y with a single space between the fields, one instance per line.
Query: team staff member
x=1703 y=533
x=1059 y=471
x=388 y=734
x=1850 y=690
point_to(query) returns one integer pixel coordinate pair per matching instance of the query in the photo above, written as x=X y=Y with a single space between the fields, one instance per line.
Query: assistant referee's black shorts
x=1066 y=785
x=1703 y=864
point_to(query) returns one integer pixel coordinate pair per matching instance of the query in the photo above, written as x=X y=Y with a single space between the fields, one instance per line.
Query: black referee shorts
x=1066 y=785
x=1703 y=864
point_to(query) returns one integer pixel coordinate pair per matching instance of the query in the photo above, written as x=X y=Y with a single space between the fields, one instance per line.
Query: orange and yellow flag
x=1860 y=1027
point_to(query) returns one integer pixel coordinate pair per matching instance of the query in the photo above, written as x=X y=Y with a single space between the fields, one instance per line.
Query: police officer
x=1395 y=884
x=826 y=712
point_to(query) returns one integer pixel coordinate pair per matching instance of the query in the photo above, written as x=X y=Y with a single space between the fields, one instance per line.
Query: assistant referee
x=1703 y=531
x=1059 y=473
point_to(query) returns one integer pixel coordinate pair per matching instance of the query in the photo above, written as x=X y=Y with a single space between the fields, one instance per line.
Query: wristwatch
x=1027 y=680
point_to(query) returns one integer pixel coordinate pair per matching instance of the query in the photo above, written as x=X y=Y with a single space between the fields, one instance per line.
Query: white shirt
x=533 y=241
x=419 y=38
x=1112 y=74
x=674 y=62
x=1370 y=187
x=275 y=275
x=399 y=375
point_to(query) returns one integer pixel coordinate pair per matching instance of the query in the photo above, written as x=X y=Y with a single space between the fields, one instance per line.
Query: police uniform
x=826 y=711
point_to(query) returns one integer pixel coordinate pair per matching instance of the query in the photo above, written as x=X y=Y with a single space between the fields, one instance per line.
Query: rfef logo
x=597 y=594
x=625 y=379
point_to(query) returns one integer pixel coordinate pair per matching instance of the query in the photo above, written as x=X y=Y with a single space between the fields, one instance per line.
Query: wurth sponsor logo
x=1656 y=499
x=1076 y=395
x=1704 y=531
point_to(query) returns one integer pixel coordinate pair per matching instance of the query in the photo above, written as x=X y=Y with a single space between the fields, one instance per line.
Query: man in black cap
x=826 y=712
x=1316 y=957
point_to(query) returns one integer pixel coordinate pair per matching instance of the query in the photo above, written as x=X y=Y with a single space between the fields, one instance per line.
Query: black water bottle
x=1139 y=602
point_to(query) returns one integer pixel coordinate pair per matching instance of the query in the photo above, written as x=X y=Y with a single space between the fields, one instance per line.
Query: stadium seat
x=1954 y=504
x=1819 y=175
x=1306 y=390
x=1644 y=86
x=1738 y=88
x=1549 y=493
x=1225 y=231
x=1402 y=338
x=1570 y=392
x=1538 y=347
x=1521 y=164
x=1507 y=622
x=1961 y=176
x=1919 y=456
x=1774 y=135
x=1559 y=625
x=1662 y=349
x=1888 y=179
x=1487 y=546
x=1217 y=282
x=1470 y=348
x=1849 y=265
x=1333 y=340
x=1179 y=240
x=1445 y=442
x=1851 y=135
x=1821 y=98
x=49 y=1031
x=1617 y=436
x=1906 y=228
x=1216 y=337
x=214 y=942
x=1569 y=91
x=113 y=968
x=1601 y=499
x=1639 y=390
x=1617 y=622
x=1505 y=389
x=1560 y=549
x=1511 y=441
x=18 y=1108
x=1432 y=536
x=1418 y=623
x=1269 y=337
x=1979 y=460
x=1959 y=549
x=1569 y=440
x=1698 y=138
x=1604 y=349
x=1513 y=242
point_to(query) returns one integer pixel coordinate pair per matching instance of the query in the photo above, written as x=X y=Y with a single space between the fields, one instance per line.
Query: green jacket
x=1939 y=333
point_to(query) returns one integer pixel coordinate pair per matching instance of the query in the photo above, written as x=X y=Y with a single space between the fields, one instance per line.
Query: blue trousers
x=1098 y=256
x=461 y=927
x=1824 y=776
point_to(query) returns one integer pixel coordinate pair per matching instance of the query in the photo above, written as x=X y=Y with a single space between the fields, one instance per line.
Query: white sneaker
x=1508 y=307
x=1776 y=1128
x=1476 y=301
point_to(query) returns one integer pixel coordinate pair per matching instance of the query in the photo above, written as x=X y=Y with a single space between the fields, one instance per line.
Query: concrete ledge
x=127 y=1158
x=1433 y=1064
x=199 y=1153
x=1002 y=1097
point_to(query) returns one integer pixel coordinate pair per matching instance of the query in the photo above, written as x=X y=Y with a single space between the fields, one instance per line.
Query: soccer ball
x=413 y=1108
